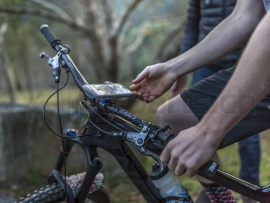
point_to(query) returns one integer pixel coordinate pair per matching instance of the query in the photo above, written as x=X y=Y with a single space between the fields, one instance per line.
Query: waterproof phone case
x=107 y=91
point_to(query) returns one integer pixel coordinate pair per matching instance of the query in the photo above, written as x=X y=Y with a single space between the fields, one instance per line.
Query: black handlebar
x=206 y=171
x=164 y=138
x=57 y=46
x=80 y=81
x=45 y=30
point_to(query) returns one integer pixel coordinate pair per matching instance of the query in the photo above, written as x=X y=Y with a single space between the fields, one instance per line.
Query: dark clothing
x=266 y=5
x=250 y=155
x=203 y=17
x=249 y=149
x=200 y=97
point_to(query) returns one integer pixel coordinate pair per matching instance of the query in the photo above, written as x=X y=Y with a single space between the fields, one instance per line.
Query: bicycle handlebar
x=57 y=46
x=164 y=138
x=161 y=136
x=45 y=30
x=80 y=81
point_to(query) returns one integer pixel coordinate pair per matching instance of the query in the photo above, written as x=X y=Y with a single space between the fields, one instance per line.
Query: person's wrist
x=170 y=71
x=213 y=130
x=175 y=67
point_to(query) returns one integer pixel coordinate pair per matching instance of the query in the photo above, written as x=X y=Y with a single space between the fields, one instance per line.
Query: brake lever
x=43 y=54
x=151 y=154
x=140 y=140
x=55 y=61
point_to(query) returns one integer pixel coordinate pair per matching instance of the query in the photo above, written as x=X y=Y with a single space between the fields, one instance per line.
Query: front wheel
x=54 y=193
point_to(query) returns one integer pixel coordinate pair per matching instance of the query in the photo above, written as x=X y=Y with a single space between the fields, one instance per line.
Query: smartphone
x=107 y=91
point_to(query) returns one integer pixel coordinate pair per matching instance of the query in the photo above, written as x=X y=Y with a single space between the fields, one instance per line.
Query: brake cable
x=85 y=114
x=92 y=109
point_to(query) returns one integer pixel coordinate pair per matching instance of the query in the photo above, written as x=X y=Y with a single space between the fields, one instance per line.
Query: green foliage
x=23 y=41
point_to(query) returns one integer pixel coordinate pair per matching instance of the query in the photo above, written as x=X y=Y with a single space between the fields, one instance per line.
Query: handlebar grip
x=45 y=30
x=164 y=138
x=209 y=169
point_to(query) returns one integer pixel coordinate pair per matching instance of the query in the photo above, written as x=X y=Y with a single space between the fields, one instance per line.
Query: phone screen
x=113 y=90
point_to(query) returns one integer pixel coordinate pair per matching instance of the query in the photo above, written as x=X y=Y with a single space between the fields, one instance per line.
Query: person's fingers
x=172 y=164
x=173 y=160
x=140 y=96
x=135 y=87
x=194 y=163
x=135 y=94
x=151 y=98
x=145 y=96
x=165 y=155
x=180 y=169
x=192 y=170
x=144 y=74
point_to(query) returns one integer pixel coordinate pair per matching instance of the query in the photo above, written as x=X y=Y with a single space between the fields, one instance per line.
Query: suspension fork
x=93 y=166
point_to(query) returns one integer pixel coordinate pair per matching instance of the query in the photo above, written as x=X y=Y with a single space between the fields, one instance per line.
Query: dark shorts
x=200 y=97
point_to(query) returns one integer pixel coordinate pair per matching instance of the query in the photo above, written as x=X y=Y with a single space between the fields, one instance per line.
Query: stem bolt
x=140 y=141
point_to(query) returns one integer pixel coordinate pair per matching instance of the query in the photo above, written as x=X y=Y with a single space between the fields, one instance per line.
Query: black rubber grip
x=209 y=169
x=45 y=30
x=164 y=138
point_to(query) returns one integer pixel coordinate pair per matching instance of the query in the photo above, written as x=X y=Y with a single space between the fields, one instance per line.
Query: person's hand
x=178 y=86
x=152 y=82
x=191 y=149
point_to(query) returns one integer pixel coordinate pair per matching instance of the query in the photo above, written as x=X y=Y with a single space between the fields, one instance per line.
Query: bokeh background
x=110 y=40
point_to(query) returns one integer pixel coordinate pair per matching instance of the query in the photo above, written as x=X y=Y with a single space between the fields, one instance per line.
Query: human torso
x=212 y=12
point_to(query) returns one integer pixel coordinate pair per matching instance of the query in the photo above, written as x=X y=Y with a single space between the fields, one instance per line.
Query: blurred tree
x=6 y=71
x=96 y=22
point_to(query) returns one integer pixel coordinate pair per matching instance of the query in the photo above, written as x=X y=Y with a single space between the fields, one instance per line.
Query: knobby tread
x=54 y=193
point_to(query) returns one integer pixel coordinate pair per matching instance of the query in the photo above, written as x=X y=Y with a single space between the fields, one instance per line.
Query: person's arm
x=190 y=38
x=248 y=85
x=229 y=35
x=225 y=38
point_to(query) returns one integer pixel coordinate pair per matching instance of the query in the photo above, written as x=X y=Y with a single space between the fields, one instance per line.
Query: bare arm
x=196 y=145
x=190 y=40
x=229 y=35
x=252 y=72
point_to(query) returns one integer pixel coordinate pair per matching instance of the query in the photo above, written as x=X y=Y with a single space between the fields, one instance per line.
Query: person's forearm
x=225 y=38
x=248 y=85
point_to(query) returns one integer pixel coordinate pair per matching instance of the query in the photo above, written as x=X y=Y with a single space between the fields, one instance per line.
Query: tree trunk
x=113 y=64
x=8 y=75
x=27 y=72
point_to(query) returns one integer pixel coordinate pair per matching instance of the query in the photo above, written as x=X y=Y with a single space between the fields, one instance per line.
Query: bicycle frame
x=122 y=152
x=134 y=170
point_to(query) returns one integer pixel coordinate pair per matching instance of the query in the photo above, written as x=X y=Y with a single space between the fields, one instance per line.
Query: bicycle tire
x=54 y=193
